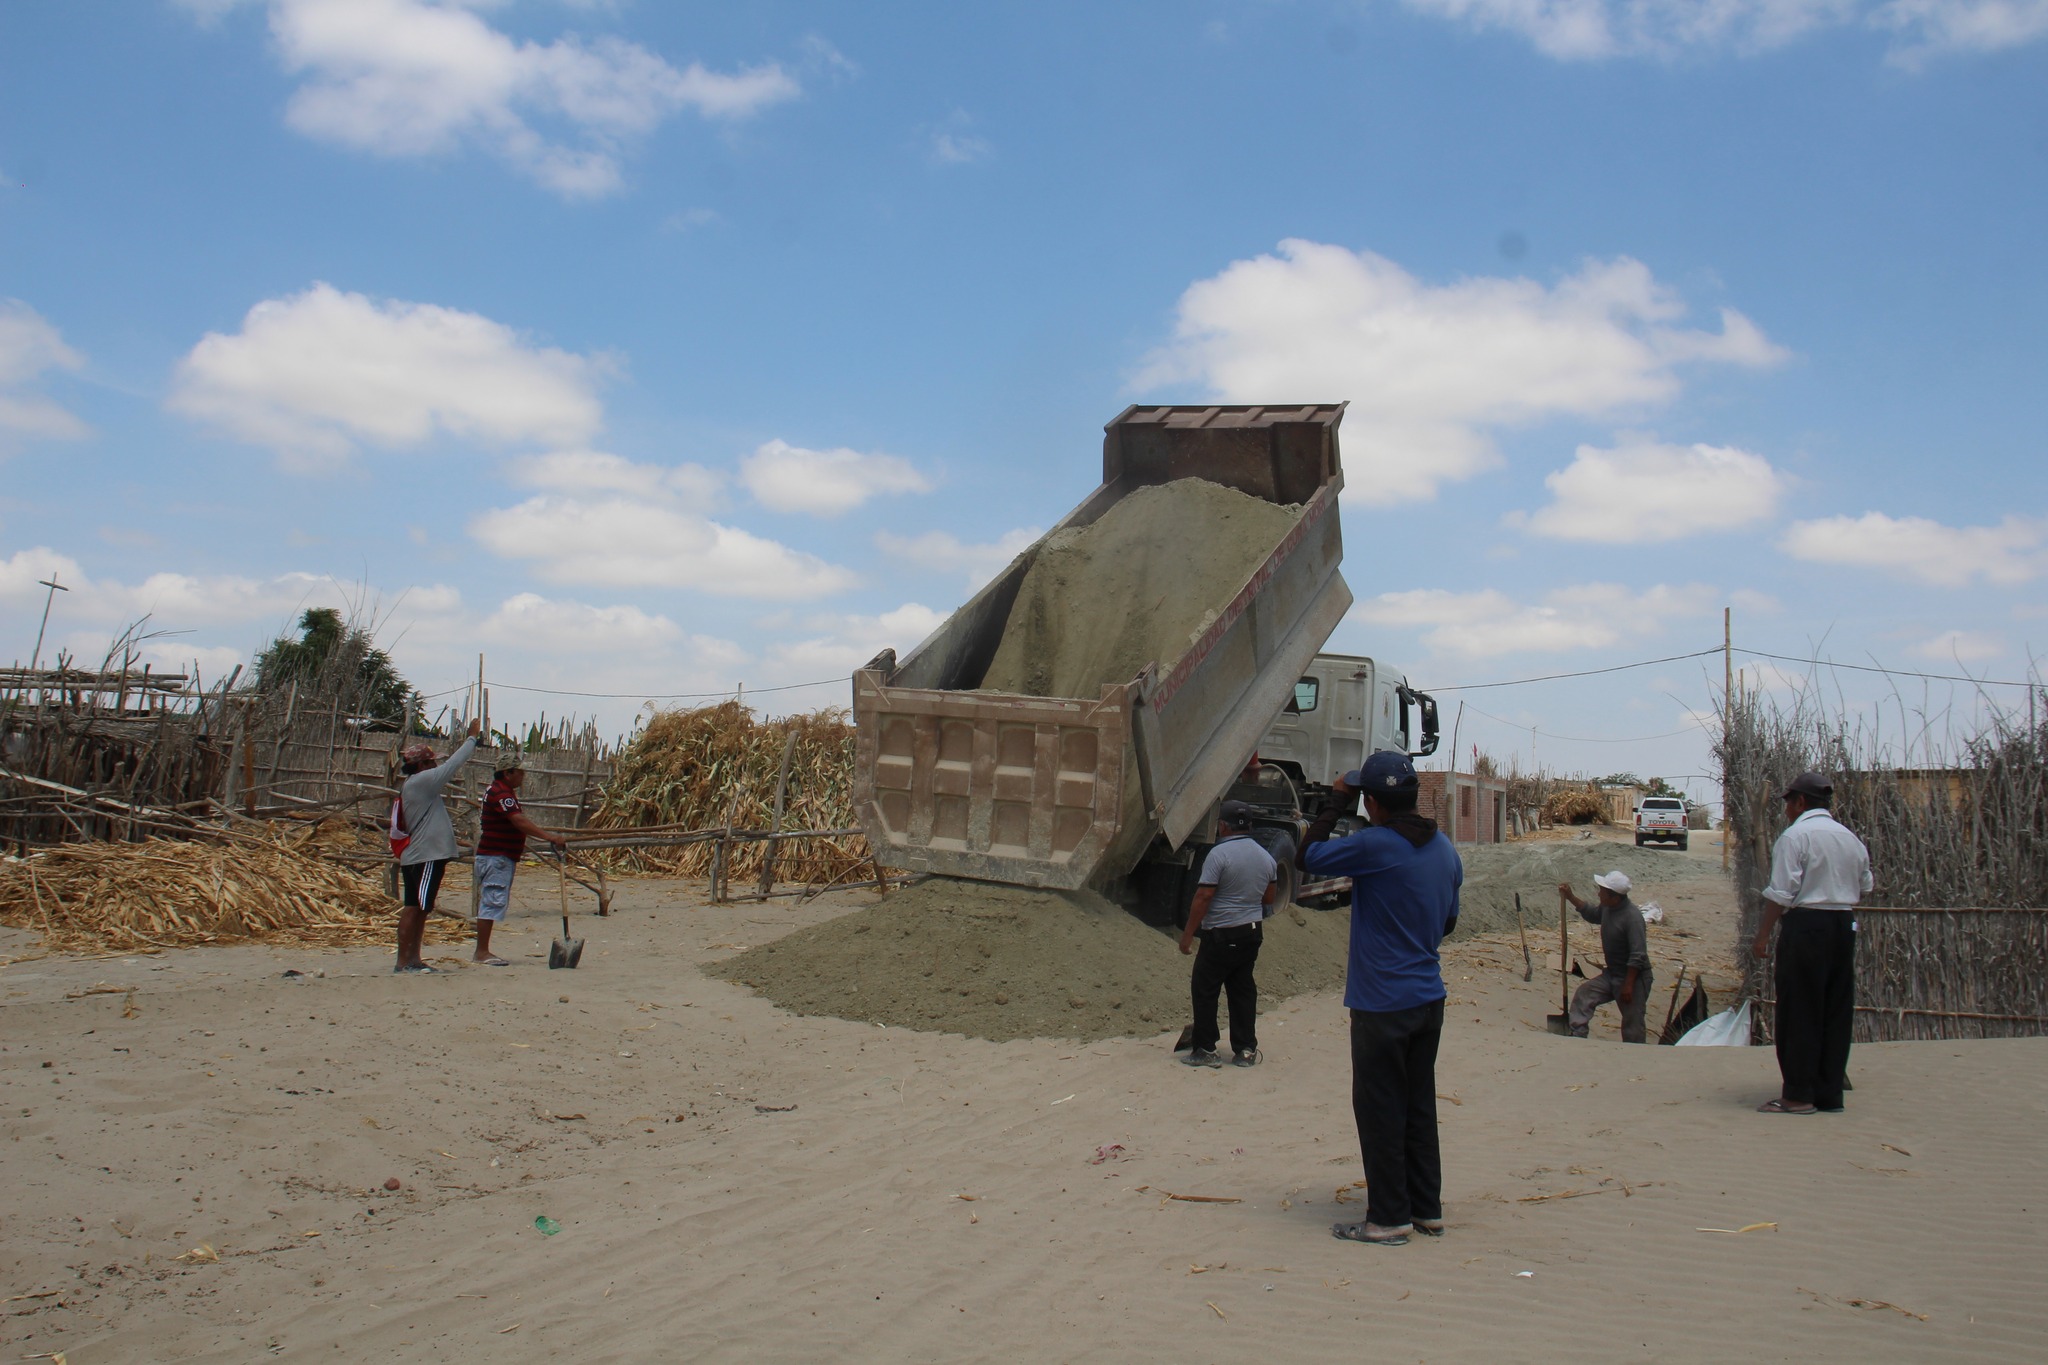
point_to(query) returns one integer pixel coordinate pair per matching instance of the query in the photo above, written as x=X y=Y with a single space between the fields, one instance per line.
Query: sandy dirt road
x=735 y=1183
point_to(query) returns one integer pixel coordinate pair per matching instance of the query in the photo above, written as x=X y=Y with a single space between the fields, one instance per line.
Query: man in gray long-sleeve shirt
x=1625 y=945
x=430 y=841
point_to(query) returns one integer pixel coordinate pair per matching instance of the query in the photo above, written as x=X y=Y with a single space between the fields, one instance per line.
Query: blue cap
x=1385 y=771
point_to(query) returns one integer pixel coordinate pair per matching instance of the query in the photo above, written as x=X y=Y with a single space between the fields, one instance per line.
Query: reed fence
x=1955 y=942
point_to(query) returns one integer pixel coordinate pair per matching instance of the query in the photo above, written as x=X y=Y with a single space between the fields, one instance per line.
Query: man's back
x=1818 y=864
x=1403 y=899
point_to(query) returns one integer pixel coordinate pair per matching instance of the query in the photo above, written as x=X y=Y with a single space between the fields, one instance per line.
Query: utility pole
x=51 y=596
x=1727 y=718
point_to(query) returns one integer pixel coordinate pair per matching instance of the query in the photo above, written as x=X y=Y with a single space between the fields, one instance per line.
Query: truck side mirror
x=1430 y=729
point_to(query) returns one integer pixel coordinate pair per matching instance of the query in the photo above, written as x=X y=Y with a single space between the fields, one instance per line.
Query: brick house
x=1469 y=809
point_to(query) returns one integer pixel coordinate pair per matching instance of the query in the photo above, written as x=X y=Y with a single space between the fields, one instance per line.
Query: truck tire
x=1639 y=841
x=1682 y=841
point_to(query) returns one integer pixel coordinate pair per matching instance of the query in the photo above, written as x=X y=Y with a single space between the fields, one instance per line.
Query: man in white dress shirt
x=1819 y=871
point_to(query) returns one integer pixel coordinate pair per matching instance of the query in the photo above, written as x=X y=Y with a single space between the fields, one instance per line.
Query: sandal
x=1372 y=1233
x=490 y=962
x=1780 y=1107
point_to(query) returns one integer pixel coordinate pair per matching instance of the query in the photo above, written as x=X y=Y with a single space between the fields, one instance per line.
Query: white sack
x=1729 y=1028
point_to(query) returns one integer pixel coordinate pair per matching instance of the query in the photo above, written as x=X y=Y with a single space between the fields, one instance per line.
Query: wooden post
x=775 y=829
x=721 y=855
x=248 y=766
x=1727 y=717
x=583 y=793
x=1564 y=955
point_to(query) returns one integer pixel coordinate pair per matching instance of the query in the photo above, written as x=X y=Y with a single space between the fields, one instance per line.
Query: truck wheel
x=1639 y=841
x=1682 y=840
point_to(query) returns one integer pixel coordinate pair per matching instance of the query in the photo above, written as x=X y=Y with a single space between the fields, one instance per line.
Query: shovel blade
x=565 y=952
x=1558 y=1024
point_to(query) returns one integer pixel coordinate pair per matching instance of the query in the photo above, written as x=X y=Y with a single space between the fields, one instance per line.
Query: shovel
x=564 y=951
x=1528 y=967
x=1561 y=1023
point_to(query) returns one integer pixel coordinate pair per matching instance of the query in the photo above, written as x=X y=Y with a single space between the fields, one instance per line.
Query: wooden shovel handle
x=1564 y=951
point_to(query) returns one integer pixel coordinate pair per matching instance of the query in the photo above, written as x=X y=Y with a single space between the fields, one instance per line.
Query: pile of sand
x=1495 y=872
x=1134 y=587
x=1003 y=962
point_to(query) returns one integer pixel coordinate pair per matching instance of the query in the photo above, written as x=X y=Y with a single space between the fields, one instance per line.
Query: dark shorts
x=423 y=883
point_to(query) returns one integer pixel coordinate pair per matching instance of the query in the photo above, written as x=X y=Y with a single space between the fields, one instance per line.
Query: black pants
x=1816 y=1004
x=1393 y=1099
x=1224 y=962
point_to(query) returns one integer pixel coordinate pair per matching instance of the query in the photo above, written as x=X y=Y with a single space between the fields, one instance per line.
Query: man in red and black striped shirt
x=500 y=845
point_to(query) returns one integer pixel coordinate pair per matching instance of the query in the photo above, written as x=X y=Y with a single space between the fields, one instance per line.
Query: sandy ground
x=736 y=1183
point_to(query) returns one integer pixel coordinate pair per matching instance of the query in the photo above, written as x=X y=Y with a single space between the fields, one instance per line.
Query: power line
x=1583 y=673
x=661 y=696
x=1581 y=739
x=1869 y=668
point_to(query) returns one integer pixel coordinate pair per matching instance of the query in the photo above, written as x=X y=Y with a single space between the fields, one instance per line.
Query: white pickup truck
x=1660 y=817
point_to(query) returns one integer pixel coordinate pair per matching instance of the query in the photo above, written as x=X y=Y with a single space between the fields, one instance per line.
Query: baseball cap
x=1810 y=784
x=1616 y=881
x=1385 y=771
x=1236 y=814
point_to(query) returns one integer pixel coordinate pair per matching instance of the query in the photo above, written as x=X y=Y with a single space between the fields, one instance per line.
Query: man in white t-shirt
x=1239 y=880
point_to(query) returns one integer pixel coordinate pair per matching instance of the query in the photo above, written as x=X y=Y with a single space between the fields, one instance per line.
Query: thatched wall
x=1971 y=833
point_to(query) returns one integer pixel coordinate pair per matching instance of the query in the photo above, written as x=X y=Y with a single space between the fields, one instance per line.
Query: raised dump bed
x=1179 y=617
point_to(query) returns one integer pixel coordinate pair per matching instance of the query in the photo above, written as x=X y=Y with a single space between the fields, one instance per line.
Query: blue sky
x=652 y=348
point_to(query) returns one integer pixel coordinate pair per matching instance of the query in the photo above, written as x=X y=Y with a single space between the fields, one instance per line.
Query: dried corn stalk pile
x=704 y=768
x=1575 y=806
x=178 y=893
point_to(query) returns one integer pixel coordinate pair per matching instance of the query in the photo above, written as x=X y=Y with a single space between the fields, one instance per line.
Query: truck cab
x=1344 y=707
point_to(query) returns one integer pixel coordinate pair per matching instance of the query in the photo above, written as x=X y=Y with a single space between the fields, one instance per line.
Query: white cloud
x=1644 y=491
x=593 y=471
x=417 y=78
x=944 y=552
x=2014 y=551
x=29 y=348
x=538 y=623
x=838 y=645
x=1578 y=30
x=1586 y=616
x=688 y=220
x=958 y=149
x=174 y=600
x=642 y=542
x=189 y=614
x=313 y=374
x=1961 y=646
x=1931 y=27
x=824 y=483
x=1429 y=369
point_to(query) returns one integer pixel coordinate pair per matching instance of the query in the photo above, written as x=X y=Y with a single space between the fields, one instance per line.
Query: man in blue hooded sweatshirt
x=1405 y=877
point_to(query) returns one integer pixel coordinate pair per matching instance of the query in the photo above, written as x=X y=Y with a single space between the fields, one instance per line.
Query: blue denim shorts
x=494 y=885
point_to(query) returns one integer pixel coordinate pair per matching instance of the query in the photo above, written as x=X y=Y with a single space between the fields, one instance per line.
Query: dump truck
x=1115 y=790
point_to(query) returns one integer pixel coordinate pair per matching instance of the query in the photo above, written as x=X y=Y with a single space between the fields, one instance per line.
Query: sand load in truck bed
x=1136 y=586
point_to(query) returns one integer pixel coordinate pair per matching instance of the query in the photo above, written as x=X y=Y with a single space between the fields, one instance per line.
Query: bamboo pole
x=781 y=788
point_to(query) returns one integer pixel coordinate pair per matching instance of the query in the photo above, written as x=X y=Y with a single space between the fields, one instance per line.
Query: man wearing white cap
x=1626 y=981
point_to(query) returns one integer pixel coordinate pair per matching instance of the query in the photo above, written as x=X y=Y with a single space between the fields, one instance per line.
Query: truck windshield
x=1304 y=696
